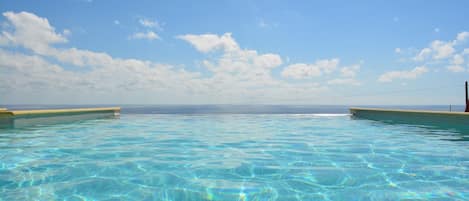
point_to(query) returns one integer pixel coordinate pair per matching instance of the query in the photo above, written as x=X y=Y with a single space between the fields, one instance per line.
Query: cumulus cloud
x=150 y=26
x=237 y=75
x=465 y=51
x=461 y=37
x=263 y=24
x=66 y=32
x=235 y=65
x=268 y=61
x=25 y=72
x=210 y=42
x=456 y=68
x=347 y=74
x=324 y=67
x=344 y=81
x=149 y=23
x=450 y=54
x=350 y=71
x=149 y=35
x=442 y=49
x=246 y=72
x=302 y=70
x=457 y=59
x=412 y=74
x=439 y=50
x=423 y=54
x=31 y=32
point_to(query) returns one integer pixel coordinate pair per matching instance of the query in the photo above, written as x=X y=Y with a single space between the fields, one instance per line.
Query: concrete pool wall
x=24 y=118
x=442 y=119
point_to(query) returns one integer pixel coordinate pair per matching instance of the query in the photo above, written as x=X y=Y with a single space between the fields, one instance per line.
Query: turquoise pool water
x=233 y=157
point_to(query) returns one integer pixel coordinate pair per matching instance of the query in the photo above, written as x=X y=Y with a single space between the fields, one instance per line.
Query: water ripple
x=233 y=157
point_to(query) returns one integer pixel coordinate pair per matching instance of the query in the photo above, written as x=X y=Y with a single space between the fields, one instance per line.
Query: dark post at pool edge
x=467 y=101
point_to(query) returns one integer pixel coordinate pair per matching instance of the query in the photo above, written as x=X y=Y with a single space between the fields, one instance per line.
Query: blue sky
x=233 y=52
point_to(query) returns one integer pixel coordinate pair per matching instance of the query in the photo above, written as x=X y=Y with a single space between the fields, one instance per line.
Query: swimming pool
x=233 y=157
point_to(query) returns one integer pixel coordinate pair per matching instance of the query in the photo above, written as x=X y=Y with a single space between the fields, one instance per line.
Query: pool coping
x=19 y=114
x=355 y=110
x=5 y=113
x=28 y=118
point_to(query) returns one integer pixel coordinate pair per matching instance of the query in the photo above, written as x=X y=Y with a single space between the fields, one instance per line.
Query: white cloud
x=43 y=46
x=210 y=42
x=412 y=74
x=80 y=57
x=235 y=63
x=350 y=71
x=268 y=61
x=423 y=54
x=456 y=68
x=149 y=35
x=149 y=23
x=465 y=51
x=442 y=49
x=245 y=72
x=28 y=72
x=344 y=81
x=31 y=32
x=439 y=50
x=462 y=37
x=457 y=62
x=320 y=67
x=236 y=75
x=67 y=32
x=457 y=59
x=262 y=23
x=397 y=50
x=302 y=71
